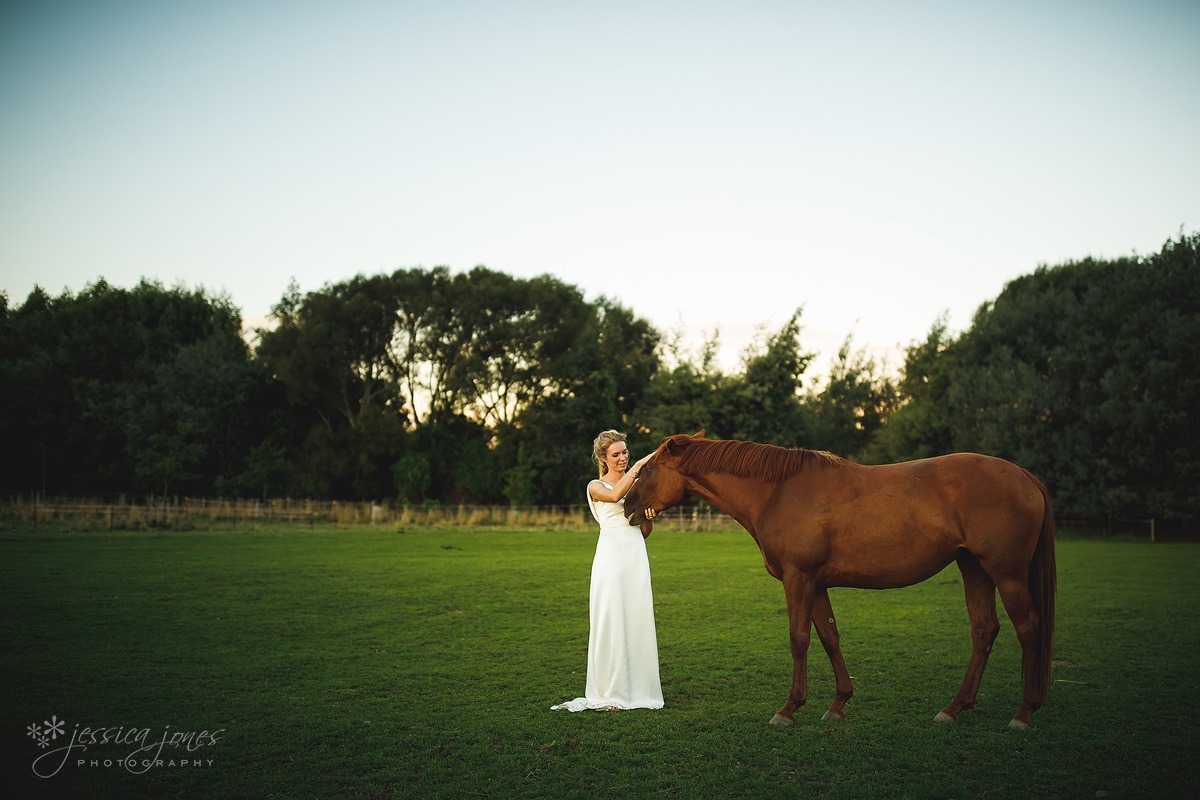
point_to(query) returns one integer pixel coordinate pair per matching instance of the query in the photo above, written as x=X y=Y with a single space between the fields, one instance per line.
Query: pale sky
x=707 y=164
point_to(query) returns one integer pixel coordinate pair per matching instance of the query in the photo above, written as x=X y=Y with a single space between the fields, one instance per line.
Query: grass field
x=366 y=662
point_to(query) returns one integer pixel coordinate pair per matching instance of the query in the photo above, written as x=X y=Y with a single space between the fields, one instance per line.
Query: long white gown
x=622 y=668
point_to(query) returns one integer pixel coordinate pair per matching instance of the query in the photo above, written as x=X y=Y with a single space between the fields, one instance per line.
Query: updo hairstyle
x=599 y=447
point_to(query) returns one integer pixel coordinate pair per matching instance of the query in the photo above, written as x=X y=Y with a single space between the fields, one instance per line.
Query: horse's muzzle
x=638 y=518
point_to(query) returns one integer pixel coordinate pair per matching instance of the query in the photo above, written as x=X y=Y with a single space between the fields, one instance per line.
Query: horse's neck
x=740 y=498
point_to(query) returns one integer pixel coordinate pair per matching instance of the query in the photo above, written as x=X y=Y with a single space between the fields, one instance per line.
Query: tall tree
x=1084 y=373
x=605 y=373
x=681 y=397
x=763 y=404
x=117 y=390
x=520 y=337
x=332 y=349
x=853 y=405
x=920 y=426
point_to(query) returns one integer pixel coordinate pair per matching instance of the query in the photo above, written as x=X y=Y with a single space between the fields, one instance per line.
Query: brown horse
x=823 y=521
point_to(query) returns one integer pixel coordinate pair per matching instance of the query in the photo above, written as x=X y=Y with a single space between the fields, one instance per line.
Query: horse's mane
x=747 y=459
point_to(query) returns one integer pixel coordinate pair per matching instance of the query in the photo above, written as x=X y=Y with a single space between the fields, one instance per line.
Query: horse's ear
x=672 y=443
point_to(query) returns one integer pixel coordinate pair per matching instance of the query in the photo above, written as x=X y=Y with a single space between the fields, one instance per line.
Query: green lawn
x=373 y=663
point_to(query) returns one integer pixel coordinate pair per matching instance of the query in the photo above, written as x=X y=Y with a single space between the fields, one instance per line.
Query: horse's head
x=660 y=484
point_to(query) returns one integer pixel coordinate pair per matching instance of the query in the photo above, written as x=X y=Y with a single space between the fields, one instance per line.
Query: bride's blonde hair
x=601 y=445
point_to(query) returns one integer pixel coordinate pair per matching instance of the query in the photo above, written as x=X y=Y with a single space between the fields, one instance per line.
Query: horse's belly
x=887 y=563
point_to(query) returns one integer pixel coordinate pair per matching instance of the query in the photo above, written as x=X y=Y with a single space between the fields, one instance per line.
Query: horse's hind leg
x=981 y=607
x=827 y=630
x=1019 y=604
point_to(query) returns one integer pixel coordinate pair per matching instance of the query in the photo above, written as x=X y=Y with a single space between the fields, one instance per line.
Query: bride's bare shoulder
x=601 y=492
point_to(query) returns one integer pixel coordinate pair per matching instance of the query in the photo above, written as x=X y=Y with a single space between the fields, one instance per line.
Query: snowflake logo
x=53 y=728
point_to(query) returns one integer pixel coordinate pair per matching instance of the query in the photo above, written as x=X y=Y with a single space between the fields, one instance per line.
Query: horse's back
x=896 y=524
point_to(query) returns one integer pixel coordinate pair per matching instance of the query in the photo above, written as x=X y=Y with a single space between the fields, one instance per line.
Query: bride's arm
x=603 y=494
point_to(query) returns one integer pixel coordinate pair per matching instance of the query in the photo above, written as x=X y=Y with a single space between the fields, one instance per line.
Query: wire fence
x=126 y=512
x=120 y=512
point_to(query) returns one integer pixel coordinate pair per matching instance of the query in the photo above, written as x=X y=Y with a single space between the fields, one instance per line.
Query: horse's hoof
x=829 y=716
x=781 y=721
x=1019 y=725
x=942 y=716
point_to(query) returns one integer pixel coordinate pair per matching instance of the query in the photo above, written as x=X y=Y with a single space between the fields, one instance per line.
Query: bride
x=622 y=668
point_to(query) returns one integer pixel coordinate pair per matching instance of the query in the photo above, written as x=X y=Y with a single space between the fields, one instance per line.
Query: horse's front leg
x=800 y=593
x=827 y=630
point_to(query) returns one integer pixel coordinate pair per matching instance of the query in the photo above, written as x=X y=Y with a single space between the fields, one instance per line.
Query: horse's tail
x=1043 y=582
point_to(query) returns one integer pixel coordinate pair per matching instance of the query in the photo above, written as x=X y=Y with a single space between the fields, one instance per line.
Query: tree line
x=432 y=387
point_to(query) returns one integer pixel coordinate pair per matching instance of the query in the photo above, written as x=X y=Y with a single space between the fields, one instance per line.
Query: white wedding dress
x=622 y=666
